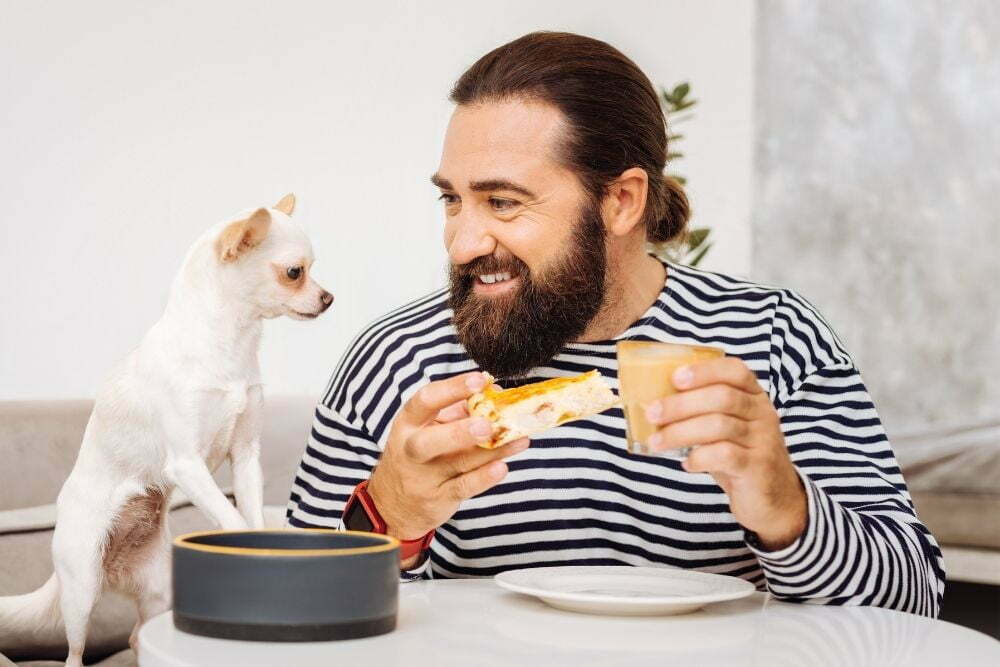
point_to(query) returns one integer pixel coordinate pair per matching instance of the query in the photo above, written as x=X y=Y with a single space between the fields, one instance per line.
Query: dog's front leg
x=244 y=457
x=248 y=483
x=192 y=476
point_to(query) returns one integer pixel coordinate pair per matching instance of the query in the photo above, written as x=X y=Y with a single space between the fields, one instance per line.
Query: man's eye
x=448 y=198
x=502 y=204
x=294 y=272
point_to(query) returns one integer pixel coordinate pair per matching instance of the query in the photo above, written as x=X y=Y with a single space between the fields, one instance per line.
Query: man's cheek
x=448 y=235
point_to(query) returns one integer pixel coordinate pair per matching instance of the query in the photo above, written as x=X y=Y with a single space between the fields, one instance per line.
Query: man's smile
x=495 y=283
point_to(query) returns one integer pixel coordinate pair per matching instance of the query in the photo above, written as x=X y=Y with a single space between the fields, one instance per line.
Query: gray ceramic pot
x=311 y=584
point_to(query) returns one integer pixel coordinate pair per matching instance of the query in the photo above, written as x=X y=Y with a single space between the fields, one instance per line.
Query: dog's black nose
x=326 y=299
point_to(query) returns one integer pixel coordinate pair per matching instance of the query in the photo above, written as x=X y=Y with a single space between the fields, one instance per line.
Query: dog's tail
x=32 y=612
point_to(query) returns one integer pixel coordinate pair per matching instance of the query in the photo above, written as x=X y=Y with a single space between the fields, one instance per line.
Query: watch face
x=357 y=519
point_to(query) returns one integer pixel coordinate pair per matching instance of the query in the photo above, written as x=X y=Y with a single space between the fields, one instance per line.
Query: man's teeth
x=490 y=278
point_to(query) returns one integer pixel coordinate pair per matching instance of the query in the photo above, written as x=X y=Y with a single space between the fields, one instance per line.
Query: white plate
x=624 y=590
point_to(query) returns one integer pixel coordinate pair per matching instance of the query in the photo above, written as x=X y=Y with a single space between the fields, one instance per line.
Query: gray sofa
x=953 y=474
x=39 y=441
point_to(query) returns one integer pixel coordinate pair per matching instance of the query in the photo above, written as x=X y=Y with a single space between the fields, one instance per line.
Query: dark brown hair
x=613 y=114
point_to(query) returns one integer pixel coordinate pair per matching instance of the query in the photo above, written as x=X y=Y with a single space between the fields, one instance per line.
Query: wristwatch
x=360 y=513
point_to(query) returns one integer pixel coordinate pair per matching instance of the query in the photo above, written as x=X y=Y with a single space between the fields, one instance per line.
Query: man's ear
x=287 y=204
x=626 y=200
x=241 y=236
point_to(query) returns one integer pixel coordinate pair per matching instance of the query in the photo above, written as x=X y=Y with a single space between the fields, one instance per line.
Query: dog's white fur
x=188 y=397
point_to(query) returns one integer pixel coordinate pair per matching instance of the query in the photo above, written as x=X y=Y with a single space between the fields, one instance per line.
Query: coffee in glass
x=645 y=369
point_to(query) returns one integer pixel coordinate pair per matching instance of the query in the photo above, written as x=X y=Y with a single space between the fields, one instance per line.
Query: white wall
x=129 y=127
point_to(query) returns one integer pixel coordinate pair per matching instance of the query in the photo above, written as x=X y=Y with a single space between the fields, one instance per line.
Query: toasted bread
x=522 y=411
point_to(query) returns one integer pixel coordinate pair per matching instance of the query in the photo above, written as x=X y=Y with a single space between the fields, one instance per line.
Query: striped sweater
x=577 y=497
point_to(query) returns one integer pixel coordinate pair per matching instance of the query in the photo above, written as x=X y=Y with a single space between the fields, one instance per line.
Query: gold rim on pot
x=390 y=543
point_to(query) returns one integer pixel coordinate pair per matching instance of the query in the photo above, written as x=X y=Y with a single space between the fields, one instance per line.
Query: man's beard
x=513 y=332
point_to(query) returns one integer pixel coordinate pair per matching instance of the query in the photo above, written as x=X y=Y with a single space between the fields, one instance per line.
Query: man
x=552 y=183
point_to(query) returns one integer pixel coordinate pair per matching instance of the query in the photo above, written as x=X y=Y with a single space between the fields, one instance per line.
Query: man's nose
x=471 y=238
x=325 y=300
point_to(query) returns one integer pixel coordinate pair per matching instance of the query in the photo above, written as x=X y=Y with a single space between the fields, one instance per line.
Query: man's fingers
x=726 y=458
x=726 y=370
x=457 y=410
x=699 y=430
x=722 y=398
x=475 y=482
x=437 y=440
x=430 y=399
x=471 y=458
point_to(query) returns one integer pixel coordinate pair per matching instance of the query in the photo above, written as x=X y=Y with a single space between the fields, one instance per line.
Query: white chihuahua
x=188 y=397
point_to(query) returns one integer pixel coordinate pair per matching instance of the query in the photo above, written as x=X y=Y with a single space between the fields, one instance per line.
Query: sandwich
x=522 y=411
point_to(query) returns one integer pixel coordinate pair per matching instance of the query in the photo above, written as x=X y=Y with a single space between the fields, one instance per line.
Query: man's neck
x=632 y=289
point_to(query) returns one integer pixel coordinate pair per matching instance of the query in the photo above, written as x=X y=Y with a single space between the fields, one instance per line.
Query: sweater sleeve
x=338 y=456
x=863 y=543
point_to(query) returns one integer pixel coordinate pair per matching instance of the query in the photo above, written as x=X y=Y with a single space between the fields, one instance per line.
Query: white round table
x=474 y=622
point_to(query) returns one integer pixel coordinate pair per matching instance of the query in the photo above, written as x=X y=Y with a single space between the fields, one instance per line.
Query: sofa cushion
x=960 y=519
x=39 y=441
x=953 y=475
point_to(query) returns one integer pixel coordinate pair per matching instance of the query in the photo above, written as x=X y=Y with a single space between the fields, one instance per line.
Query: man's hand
x=721 y=408
x=431 y=462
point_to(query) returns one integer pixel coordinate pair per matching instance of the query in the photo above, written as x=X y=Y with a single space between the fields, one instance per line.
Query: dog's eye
x=294 y=272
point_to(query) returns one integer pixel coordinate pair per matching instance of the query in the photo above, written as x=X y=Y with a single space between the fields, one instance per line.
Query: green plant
x=691 y=248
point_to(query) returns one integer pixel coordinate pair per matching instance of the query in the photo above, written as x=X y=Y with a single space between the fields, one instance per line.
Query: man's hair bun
x=672 y=209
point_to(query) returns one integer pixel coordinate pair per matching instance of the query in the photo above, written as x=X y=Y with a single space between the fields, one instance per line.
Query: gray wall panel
x=877 y=171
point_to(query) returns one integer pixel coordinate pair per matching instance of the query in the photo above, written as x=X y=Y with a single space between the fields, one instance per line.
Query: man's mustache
x=488 y=264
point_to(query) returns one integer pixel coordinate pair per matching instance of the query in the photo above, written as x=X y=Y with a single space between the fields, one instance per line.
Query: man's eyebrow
x=500 y=184
x=442 y=183
x=485 y=186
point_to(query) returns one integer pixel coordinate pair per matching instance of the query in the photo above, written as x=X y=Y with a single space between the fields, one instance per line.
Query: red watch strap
x=407 y=548
x=410 y=548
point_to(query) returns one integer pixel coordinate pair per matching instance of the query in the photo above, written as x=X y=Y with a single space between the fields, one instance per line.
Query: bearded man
x=552 y=185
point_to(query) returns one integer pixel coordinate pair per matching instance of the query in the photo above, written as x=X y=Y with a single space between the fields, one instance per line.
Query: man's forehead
x=514 y=139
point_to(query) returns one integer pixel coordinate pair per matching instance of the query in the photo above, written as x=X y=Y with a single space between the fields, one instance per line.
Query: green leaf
x=671 y=156
x=675 y=137
x=681 y=90
x=700 y=255
x=685 y=104
x=697 y=236
x=680 y=179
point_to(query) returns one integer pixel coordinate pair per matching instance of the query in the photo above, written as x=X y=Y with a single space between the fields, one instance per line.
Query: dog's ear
x=287 y=204
x=243 y=235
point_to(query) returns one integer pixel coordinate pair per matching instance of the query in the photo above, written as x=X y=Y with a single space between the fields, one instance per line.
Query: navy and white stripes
x=576 y=496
